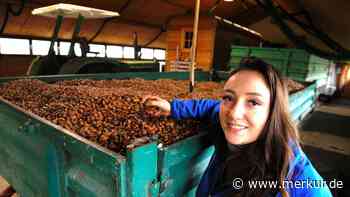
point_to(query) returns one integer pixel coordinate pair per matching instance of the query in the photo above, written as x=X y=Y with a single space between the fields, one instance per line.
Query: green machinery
x=71 y=64
x=39 y=158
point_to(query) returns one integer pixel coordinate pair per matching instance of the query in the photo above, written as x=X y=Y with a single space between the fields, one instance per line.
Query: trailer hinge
x=154 y=189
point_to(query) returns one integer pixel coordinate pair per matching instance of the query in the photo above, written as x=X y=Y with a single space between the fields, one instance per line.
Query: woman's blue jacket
x=303 y=179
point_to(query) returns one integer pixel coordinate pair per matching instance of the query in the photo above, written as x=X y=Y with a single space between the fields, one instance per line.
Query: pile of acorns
x=293 y=86
x=109 y=112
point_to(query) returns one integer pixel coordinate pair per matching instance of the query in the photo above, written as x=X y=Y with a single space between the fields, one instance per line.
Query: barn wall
x=205 y=43
x=14 y=65
x=224 y=39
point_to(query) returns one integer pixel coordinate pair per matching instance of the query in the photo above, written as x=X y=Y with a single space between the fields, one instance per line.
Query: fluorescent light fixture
x=238 y=26
x=73 y=11
x=229 y=0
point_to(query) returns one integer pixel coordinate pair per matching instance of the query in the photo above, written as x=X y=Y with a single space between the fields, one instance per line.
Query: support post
x=194 y=45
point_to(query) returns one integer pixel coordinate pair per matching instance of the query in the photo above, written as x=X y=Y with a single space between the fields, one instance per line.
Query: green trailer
x=296 y=64
x=276 y=57
x=39 y=158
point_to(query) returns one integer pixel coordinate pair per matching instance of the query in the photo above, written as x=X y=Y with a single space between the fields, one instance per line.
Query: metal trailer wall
x=296 y=64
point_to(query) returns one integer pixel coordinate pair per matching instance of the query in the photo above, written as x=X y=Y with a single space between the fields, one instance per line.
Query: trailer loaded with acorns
x=87 y=135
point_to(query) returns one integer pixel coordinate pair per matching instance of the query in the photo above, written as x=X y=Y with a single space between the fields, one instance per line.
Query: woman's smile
x=236 y=128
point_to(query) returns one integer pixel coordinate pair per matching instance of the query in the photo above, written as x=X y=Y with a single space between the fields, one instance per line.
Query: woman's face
x=245 y=107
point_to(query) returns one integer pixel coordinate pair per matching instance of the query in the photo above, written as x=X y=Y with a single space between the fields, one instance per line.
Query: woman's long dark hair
x=279 y=131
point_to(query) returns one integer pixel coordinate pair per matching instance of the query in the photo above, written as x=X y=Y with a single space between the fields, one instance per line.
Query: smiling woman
x=254 y=136
x=245 y=107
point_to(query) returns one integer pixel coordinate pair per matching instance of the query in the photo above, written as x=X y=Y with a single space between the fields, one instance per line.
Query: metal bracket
x=75 y=35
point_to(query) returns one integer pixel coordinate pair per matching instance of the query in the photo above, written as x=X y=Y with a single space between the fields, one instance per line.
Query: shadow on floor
x=331 y=166
x=327 y=123
x=340 y=102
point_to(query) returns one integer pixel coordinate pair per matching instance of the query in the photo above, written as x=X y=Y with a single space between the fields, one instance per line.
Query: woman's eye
x=227 y=98
x=253 y=102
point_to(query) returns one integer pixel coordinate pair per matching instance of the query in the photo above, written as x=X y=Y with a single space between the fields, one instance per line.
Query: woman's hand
x=156 y=106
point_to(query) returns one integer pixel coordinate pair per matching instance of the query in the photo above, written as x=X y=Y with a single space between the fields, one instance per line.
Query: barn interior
x=164 y=36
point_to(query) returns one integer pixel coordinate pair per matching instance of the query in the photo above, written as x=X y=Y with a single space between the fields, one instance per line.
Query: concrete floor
x=325 y=135
x=330 y=125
